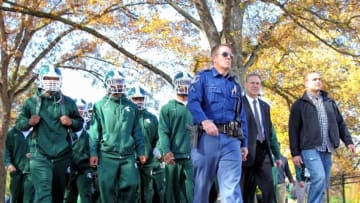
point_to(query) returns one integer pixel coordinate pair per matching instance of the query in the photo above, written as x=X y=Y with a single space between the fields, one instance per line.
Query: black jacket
x=304 y=127
x=271 y=139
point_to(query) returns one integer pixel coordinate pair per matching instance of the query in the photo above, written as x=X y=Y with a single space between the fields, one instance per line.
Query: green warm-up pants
x=152 y=183
x=179 y=182
x=49 y=177
x=80 y=184
x=118 y=179
x=21 y=188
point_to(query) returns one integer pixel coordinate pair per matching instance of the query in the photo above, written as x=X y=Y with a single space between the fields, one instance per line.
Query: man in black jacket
x=315 y=129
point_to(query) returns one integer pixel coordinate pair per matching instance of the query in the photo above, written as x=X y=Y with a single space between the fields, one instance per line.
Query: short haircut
x=253 y=74
x=306 y=77
x=216 y=48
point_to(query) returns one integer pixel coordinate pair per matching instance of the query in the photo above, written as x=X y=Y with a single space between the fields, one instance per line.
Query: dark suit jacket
x=271 y=139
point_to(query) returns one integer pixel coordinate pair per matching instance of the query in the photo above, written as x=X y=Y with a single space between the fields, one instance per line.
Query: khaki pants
x=281 y=193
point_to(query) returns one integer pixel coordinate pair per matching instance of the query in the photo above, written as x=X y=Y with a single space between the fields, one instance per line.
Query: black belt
x=225 y=128
x=222 y=128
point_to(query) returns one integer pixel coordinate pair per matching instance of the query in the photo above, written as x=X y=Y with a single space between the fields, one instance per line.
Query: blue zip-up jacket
x=215 y=99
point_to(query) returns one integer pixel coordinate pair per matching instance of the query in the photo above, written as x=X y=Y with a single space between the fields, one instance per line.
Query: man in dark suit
x=262 y=145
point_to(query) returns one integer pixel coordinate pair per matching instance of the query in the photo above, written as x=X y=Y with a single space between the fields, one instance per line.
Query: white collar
x=78 y=133
x=26 y=133
x=183 y=102
x=251 y=100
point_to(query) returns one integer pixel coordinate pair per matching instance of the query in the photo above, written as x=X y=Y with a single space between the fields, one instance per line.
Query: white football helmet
x=49 y=79
x=115 y=82
x=138 y=96
x=182 y=82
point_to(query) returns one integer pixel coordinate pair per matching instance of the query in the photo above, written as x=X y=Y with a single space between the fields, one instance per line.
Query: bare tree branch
x=93 y=32
x=29 y=70
x=184 y=13
x=208 y=24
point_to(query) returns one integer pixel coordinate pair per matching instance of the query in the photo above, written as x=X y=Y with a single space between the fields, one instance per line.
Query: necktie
x=260 y=135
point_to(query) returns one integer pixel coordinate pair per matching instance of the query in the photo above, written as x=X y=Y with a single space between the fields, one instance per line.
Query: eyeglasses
x=226 y=54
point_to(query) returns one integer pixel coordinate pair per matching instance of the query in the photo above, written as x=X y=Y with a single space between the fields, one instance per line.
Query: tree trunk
x=4 y=126
x=2 y=172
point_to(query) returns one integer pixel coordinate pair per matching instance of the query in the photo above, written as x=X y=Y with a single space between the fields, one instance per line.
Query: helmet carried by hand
x=49 y=78
x=182 y=82
x=115 y=82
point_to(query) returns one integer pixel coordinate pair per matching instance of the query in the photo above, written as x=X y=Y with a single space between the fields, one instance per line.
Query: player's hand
x=297 y=160
x=34 y=120
x=169 y=158
x=28 y=155
x=11 y=168
x=65 y=120
x=94 y=161
x=142 y=159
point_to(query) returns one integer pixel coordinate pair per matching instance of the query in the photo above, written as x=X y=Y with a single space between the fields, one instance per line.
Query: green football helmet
x=49 y=78
x=138 y=96
x=115 y=82
x=182 y=82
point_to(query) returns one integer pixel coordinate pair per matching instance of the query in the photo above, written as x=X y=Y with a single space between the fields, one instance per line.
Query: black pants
x=259 y=174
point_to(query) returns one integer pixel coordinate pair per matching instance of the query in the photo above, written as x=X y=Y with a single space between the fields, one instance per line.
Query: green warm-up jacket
x=16 y=147
x=81 y=152
x=51 y=136
x=149 y=125
x=115 y=128
x=173 y=134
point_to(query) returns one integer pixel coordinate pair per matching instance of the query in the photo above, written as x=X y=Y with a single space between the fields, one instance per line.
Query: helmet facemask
x=50 y=79
x=182 y=86
x=138 y=96
x=115 y=83
x=90 y=109
x=139 y=101
x=82 y=111
x=51 y=84
x=82 y=108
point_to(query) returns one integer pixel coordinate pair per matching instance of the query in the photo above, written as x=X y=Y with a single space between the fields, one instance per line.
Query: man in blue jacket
x=215 y=103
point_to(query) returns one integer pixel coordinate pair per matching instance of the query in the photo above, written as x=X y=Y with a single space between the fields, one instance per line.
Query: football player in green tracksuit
x=16 y=158
x=80 y=182
x=175 y=143
x=52 y=115
x=153 y=171
x=115 y=139
x=95 y=192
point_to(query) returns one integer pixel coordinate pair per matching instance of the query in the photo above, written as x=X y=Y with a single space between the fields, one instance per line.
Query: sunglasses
x=226 y=54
